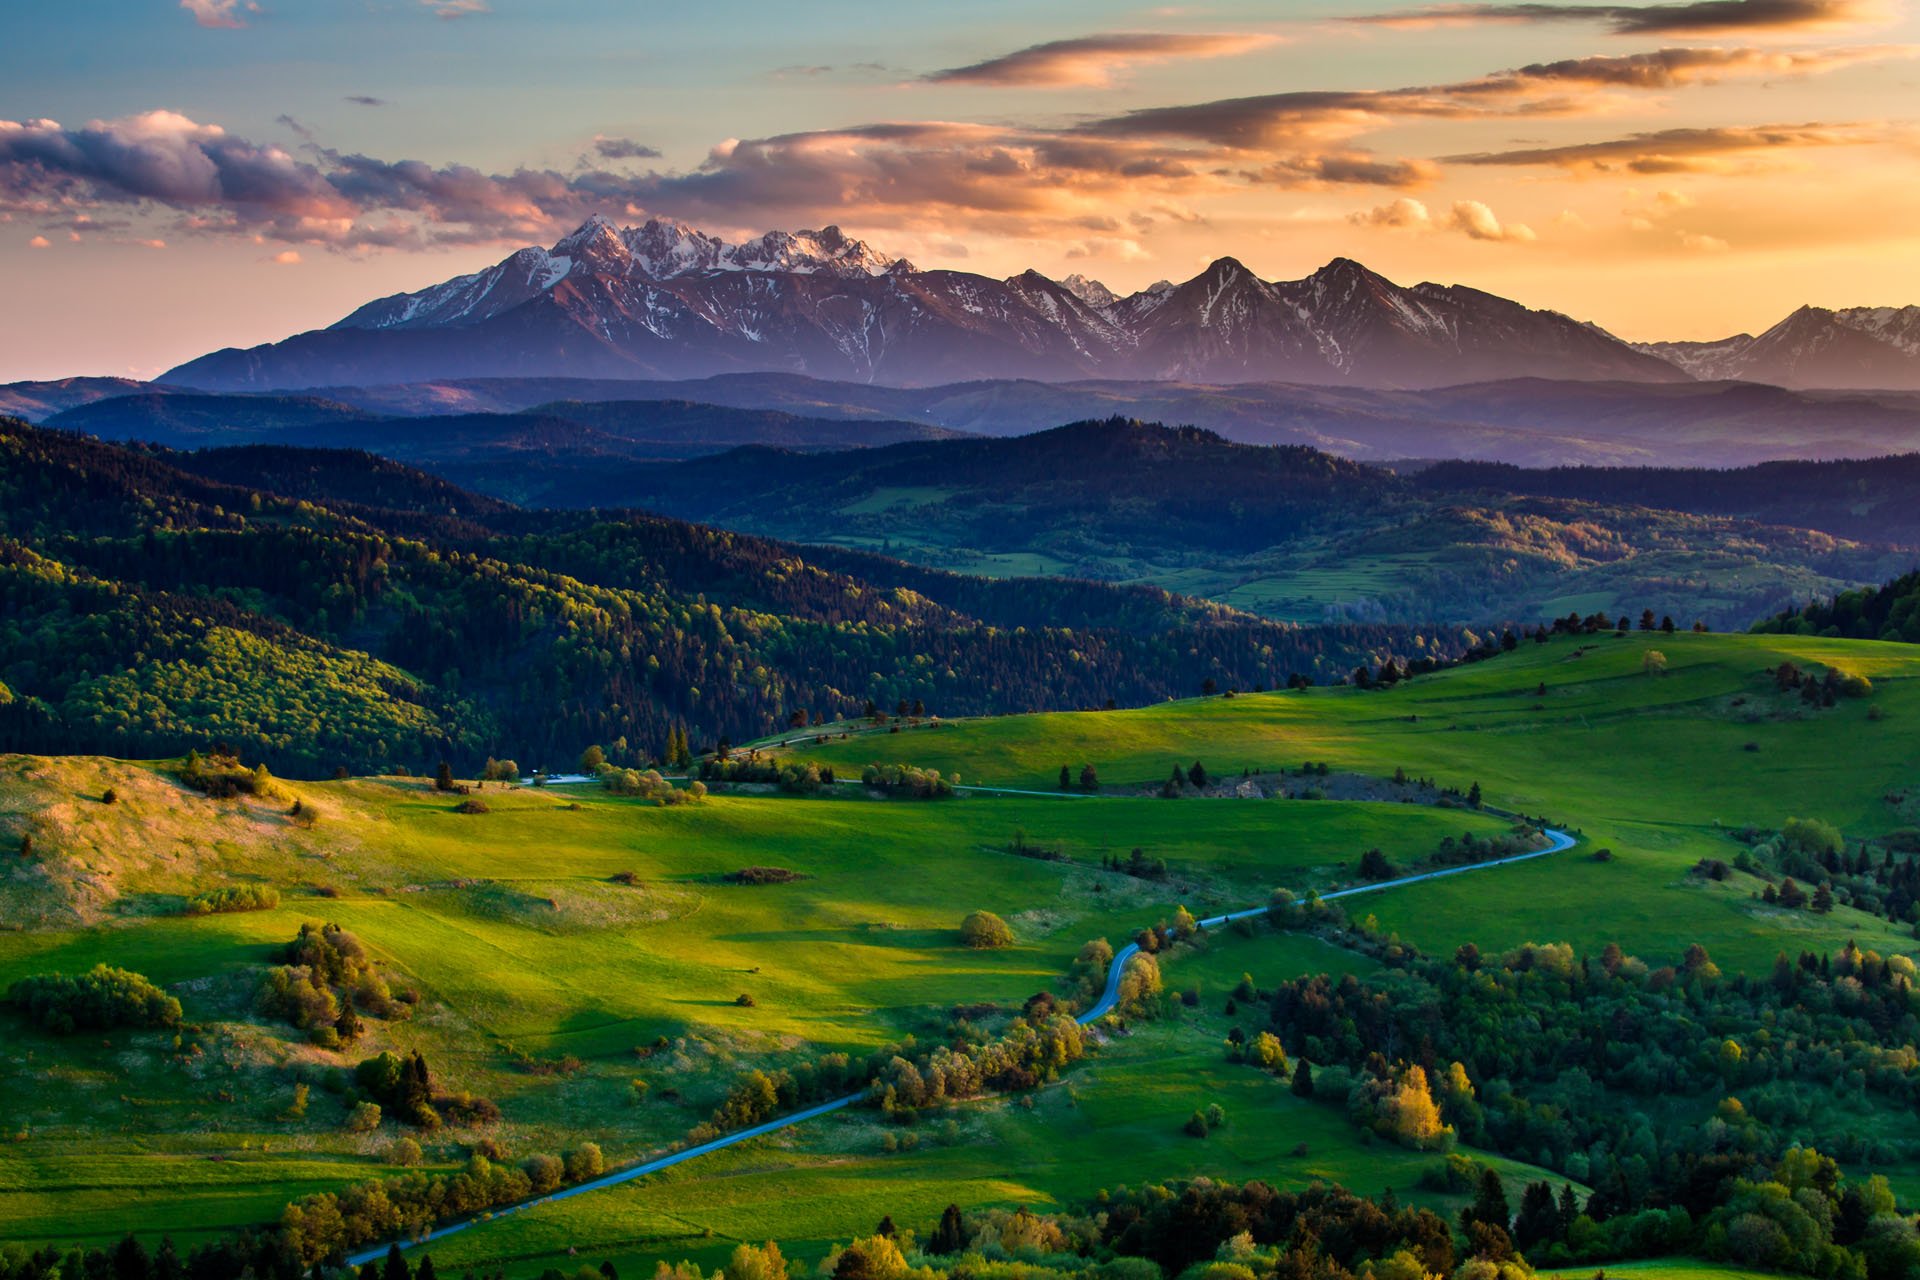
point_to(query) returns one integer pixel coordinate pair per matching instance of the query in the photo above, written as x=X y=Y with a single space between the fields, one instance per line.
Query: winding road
x=1559 y=841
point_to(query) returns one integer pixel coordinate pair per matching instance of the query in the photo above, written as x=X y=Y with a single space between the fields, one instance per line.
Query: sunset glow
x=180 y=177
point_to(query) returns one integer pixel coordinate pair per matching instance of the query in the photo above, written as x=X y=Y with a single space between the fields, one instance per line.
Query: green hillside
x=325 y=610
x=1291 y=532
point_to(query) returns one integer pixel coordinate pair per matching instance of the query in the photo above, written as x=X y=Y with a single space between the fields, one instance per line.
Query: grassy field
x=549 y=985
x=530 y=955
x=1657 y=768
x=813 y=1187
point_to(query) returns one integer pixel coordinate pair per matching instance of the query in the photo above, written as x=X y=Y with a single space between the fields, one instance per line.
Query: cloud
x=1673 y=68
x=1689 y=18
x=1671 y=151
x=1403 y=214
x=1472 y=218
x=1116 y=247
x=364 y=100
x=288 y=258
x=1091 y=62
x=1478 y=222
x=1703 y=243
x=457 y=8
x=219 y=14
x=1064 y=179
x=622 y=149
x=39 y=242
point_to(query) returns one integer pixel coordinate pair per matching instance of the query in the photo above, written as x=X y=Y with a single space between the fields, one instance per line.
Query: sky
x=178 y=176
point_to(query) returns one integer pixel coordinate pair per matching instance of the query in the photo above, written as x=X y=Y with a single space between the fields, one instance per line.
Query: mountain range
x=664 y=300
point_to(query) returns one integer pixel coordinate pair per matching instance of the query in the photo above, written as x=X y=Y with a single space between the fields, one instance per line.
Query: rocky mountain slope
x=665 y=300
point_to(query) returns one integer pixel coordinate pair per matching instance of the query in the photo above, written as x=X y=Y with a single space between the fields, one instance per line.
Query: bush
x=99 y=999
x=648 y=784
x=544 y=1172
x=985 y=931
x=762 y=875
x=404 y=1152
x=745 y=1001
x=223 y=776
x=472 y=806
x=239 y=897
x=584 y=1162
x=905 y=779
x=364 y=1118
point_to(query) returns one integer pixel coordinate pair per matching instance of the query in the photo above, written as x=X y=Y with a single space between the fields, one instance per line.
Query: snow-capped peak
x=828 y=250
x=1091 y=292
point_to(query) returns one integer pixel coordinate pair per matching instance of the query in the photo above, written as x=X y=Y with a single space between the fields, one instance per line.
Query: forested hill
x=1118 y=479
x=1891 y=612
x=341 y=610
x=1868 y=498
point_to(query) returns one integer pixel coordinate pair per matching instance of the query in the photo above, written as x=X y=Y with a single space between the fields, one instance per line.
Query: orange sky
x=220 y=173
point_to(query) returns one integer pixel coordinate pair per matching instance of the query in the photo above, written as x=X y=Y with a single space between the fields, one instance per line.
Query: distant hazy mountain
x=520 y=454
x=1857 y=347
x=560 y=427
x=665 y=300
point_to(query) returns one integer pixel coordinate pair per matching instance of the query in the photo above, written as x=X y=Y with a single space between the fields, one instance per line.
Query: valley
x=1023 y=642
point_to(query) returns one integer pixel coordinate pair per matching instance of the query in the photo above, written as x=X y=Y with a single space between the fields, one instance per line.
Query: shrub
x=1374 y=866
x=762 y=875
x=472 y=806
x=585 y=1161
x=364 y=1118
x=745 y=1001
x=109 y=796
x=905 y=779
x=404 y=1152
x=648 y=784
x=101 y=998
x=239 y=897
x=544 y=1172
x=985 y=931
x=223 y=776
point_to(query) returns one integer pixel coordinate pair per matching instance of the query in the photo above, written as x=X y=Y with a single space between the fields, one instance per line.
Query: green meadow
x=568 y=943
x=547 y=984
x=1657 y=768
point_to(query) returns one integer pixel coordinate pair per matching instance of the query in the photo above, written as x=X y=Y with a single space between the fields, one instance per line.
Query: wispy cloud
x=1060 y=179
x=623 y=149
x=1093 y=61
x=1699 y=150
x=366 y=100
x=457 y=8
x=219 y=14
x=1689 y=18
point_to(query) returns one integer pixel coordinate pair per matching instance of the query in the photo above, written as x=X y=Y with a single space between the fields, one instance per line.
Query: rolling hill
x=366 y=616
x=1292 y=532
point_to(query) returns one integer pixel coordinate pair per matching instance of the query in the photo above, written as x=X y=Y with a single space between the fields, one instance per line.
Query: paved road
x=1560 y=841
